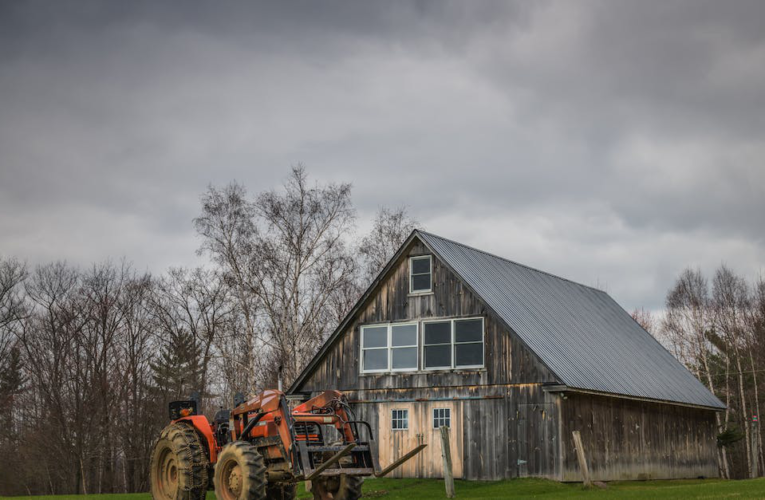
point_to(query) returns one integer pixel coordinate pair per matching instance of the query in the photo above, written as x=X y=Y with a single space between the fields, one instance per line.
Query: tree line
x=90 y=357
x=716 y=327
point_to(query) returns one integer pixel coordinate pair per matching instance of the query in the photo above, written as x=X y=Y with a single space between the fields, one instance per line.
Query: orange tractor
x=261 y=449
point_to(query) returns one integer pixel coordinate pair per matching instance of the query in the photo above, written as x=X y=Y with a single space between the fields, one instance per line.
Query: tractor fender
x=202 y=426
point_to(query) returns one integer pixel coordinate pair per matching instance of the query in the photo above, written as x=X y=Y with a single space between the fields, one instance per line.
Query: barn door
x=403 y=426
x=398 y=433
x=433 y=416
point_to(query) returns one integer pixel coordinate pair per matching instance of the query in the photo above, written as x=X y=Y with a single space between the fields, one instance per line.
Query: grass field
x=424 y=489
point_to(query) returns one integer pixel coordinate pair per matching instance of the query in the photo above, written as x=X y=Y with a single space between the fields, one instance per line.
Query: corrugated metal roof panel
x=579 y=332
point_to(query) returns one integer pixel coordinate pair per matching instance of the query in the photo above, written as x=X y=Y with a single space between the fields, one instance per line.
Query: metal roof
x=583 y=336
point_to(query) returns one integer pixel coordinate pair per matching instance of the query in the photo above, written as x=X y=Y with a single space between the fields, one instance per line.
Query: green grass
x=424 y=489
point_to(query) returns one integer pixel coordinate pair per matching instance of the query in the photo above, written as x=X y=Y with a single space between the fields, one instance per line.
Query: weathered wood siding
x=506 y=359
x=507 y=425
x=506 y=431
x=626 y=439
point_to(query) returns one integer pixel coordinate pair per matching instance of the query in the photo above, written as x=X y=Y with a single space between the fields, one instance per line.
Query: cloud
x=610 y=142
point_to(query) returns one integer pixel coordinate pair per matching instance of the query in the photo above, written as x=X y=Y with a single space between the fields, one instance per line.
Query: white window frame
x=450 y=344
x=386 y=348
x=416 y=346
x=389 y=347
x=454 y=344
x=411 y=276
x=405 y=411
x=446 y=416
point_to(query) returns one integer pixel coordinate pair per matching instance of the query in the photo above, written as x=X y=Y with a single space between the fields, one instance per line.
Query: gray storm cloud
x=613 y=143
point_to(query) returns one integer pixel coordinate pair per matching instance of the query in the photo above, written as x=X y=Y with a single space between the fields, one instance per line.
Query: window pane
x=442 y=417
x=438 y=356
x=376 y=336
x=404 y=357
x=438 y=333
x=375 y=359
x=468 y=330
x=421 y=266
x=468 y=354
x=420 y=282
x=400 y=419
x=404 y=335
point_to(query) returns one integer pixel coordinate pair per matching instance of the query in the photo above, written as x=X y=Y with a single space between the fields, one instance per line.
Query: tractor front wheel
x=240 y=473
x=178 y=467
x=341 y=487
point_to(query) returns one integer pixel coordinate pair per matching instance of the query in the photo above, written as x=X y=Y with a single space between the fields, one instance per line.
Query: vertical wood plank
x=582 y=459
x=446 y=454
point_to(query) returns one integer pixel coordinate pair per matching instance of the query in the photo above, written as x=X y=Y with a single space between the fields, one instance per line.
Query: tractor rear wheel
x=279 y=492
x=178 y=466
x=341 y=487
x=240 y=473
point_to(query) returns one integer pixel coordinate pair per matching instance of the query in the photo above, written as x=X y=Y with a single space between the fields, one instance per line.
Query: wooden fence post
x=446 y=454
x=582 y=459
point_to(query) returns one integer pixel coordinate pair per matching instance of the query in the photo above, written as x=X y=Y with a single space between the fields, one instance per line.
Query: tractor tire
x=341 y=487
x=240 y=473
x=281 y=492
x=178 y=467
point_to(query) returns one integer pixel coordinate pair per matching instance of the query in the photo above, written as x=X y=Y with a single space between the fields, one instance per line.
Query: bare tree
x=229 y=236
x=12 y=314
x=391 y=228
x=301 y=261
x=12 y=275
x=198 y=302
x=63 y=397
x=139 y=412
x=645 y=319
x=687 y=323
x=730 y=301
x=286 y=259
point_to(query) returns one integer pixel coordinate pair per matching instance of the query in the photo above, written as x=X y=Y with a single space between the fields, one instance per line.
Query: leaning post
x=446 y=454
x=582 y=459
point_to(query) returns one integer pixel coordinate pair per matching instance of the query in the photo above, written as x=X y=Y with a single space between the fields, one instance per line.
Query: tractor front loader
x=261 y=449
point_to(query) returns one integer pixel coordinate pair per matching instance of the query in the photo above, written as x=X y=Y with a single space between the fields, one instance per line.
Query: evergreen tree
x=177 y=370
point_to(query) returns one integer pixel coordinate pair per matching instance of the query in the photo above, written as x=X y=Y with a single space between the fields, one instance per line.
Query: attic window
x=420 y=274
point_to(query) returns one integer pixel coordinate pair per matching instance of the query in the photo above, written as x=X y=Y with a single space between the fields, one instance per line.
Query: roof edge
x=560 y=388
x=514 y=262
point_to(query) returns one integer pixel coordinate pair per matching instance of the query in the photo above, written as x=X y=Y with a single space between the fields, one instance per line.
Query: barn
x=512 y=360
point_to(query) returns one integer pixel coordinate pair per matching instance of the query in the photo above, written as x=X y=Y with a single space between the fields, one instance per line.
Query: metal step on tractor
x=261 y=450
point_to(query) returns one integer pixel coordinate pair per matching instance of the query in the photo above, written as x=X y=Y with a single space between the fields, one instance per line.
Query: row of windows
x=446 y=344
x=399 y=419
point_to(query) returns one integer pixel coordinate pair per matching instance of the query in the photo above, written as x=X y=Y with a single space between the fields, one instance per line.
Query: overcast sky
x=613 y=143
